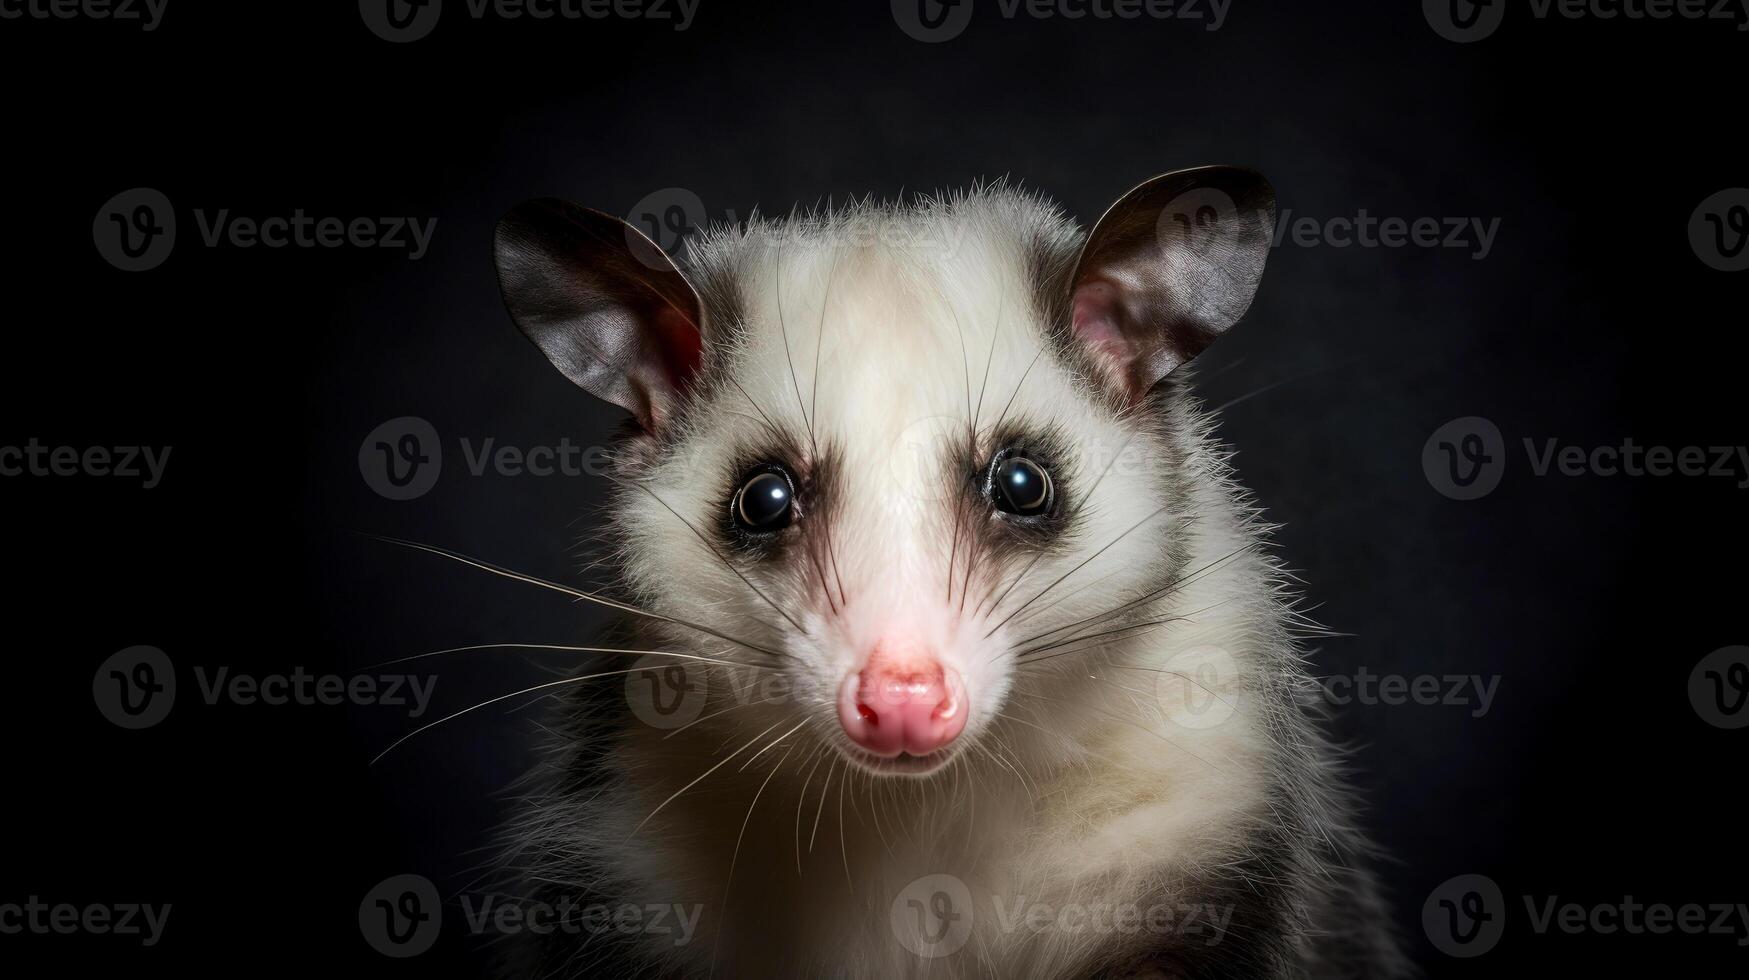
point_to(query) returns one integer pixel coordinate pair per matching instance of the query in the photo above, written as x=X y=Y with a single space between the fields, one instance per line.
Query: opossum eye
x=765 y=503
x=1020 y=485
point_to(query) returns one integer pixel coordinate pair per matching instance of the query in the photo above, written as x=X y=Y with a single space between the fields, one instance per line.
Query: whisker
x=1027 y=655
x=717 y=554
x=819 y=343
x=502 y=697
x=824 y=789
x=1132 y=722
x=843 y=838
x=772 y=426
x=783 y=327
x=1274 y=385
x=802 y=797
x=550 y=646
x=1017 y=386
x=1148 y=597
x=1077 y=568
x=575 y=593
x=725 y=761
x=704 y=718
x=735 y=858
x=1035 y=560
x=989 y=359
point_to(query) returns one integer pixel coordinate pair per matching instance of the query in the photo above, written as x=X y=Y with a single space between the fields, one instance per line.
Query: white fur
x=1079 y=779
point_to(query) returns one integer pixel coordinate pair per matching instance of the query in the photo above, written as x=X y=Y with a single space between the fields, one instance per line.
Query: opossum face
x=895 y=468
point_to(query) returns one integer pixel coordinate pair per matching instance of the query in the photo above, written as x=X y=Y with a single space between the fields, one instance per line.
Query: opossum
x=961 y=652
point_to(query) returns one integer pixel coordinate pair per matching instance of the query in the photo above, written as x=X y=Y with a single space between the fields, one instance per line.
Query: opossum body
x=967 y=657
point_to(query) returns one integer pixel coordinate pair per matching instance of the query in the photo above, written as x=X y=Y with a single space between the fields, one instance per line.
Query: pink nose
x=905 y=704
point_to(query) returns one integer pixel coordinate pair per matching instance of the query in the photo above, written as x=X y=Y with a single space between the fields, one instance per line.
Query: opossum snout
x=903 y=702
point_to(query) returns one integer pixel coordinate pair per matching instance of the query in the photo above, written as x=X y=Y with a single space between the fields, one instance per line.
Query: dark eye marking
x=765 y=502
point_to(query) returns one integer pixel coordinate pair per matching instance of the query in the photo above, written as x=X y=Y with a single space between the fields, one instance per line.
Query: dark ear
x=1169 y=267
x=604 y=304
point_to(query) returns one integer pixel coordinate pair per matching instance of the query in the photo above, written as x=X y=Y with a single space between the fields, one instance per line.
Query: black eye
x=765 y=502
x=1019 y=485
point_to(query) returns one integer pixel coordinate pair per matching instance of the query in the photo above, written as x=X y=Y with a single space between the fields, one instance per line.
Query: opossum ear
x=1169 y=267
x=604 y=304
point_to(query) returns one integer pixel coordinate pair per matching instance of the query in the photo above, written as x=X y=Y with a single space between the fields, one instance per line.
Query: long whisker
x=820 y=337
x=972 y=435
x=808 y=414
x=704 y=718
x=843 y=838
x=574 y=593
x=783 y=327
x=802 y=797
x=989 y=359
x=1017 y=386
x=1083 y=564
x=1030 y=656
x=725 y=761
x=1146 y=598
x=719 y=555
x=769 y=425
x=997 y=604
x=1130 y=721
x=1065 y=597
x=502 y=697
x=735 y=858
x=824 y=788
x=551 y=646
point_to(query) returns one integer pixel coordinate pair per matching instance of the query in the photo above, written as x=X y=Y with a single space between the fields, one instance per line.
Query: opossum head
x=895 y=456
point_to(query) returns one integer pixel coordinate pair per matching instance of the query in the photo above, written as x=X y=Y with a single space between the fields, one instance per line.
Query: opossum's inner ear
x=1169 y=267
x=604 y=304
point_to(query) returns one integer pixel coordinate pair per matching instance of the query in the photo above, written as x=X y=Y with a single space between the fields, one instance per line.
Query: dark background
x=1592 y=319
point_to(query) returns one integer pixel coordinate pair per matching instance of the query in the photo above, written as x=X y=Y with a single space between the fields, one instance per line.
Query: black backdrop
x=1590 y=319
